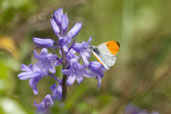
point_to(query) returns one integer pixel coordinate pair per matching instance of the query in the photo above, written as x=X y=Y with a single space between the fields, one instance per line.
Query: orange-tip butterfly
x=105 y=53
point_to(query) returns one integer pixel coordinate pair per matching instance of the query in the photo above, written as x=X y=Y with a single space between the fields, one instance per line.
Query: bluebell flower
x=48 y=101
x=30 y=73
x=56 y=92
x=55 y=27
x=33 y=83
x=71 y=55
x=76 y=71
x=59 y=22
x=44 y=106
x=58 y=16
x=131 y=109
x=46 y=62
x=75 y=29
x=84 y=50
x=40 y=69
x=64 y=41
x=48 y=43
x=98 y=69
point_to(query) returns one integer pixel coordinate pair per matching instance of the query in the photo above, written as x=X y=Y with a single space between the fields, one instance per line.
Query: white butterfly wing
x=108 y=60
x=104 y=55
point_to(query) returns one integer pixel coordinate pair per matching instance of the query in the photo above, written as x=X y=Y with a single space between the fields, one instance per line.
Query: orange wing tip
x=113 y=46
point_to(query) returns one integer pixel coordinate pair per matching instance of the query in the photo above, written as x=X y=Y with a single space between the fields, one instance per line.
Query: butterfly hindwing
x=104 y=58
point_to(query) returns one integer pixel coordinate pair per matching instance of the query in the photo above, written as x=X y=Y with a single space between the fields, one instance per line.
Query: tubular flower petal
x=58 y=15
x=44 y=42
x=28 y=75
x=55 y=27
x=75 y=29
x=33 y=83
x=70 y=80
x=64 y=23
x=25 y=68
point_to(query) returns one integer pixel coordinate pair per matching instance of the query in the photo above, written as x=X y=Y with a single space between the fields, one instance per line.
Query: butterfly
x=106 y=52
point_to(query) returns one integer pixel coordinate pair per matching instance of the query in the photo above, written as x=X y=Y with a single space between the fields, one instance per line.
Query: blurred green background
x=141 y=75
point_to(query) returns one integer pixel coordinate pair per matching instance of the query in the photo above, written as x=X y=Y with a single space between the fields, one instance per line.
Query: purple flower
x=84 y=50
x=55 y=27
x=46 y=62
x=33 y=83
x=48 y=101
x=44 y=106
x=29 y=73
x=37 y=71
x=59 y=22
x=98 y=69
x=131 y=109
x=56 y=92
x=75 y=29
x=64 y=41
x=64 y=23
x=44 y=42
x=71 y=55
x=58 y=15
x=76 y=71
